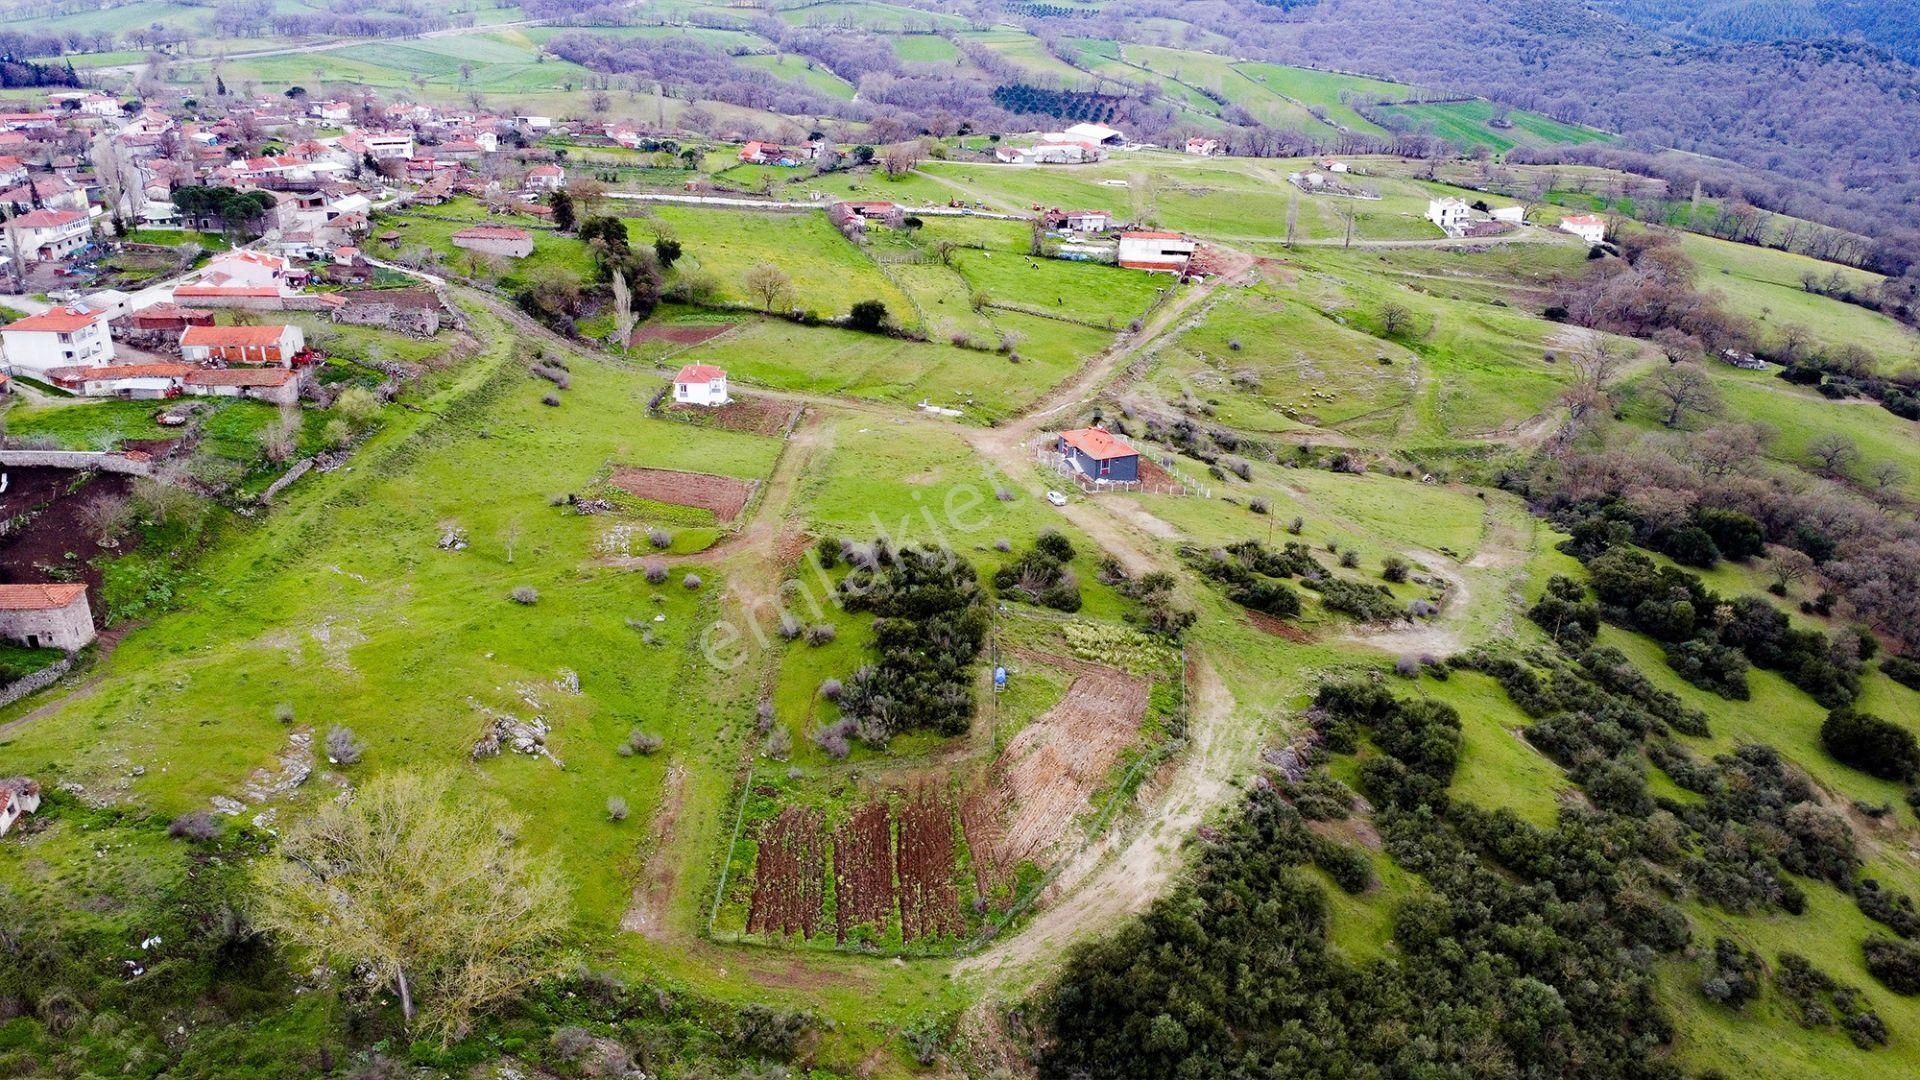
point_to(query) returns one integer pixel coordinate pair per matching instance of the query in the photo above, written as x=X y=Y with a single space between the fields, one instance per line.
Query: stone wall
x=412 y=321
x=78 y=459
x=35 y=682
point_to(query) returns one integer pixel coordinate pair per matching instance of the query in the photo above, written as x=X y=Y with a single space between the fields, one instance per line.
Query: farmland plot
x=863 y=893
x=929 y=902
x=789 y=874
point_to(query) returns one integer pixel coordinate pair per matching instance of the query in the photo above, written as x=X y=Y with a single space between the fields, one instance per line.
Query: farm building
x=1097 y=134
x=1200 y=147
x=1100 y=456
x=495 y=240
x=545 y=178
x=45 y=235
x=46 y=616
x=766 y=153
x=1166 y=251
x=58 y=337
x=862 y=214
x=1086 y=221
x=700 y=384
x=148 y=382
x=18 y=796
x=279 y=345
x=1589 y=227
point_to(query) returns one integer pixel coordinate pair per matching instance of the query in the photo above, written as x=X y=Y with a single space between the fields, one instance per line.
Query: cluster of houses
x=1460 y=219
x=1078 y=145
x=72 y=347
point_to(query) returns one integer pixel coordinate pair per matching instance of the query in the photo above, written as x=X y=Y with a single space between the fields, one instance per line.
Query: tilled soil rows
x=723 y=495
x=788 y=874
x=755 y=416
x=1047 y=775
x=929 y=903
x=677 y=335
x=863 y=870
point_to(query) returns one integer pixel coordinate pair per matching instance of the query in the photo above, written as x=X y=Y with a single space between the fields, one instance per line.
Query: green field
x=1466 y=123
x=1764 y=285
x=868 y=15
x=795 y=69
x=828 y=274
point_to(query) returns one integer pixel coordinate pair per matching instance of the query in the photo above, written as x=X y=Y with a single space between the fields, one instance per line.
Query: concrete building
x=18 y=796
x=46 y=616
x=47 y=235
x=57 y=338
x=1451 y=214
x=1166 y=251
x=1589 y=227
x=282 y=346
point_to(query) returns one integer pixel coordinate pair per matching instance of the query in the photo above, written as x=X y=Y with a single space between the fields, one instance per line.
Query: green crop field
x=1325 y=90
x=828 y=274
x=794 y=69
x=869 y=15
x=1764 y=285
x=1466 y=123
x=923 y=49
x=1027 y=53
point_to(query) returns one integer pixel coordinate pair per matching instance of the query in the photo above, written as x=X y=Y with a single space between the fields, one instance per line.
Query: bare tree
x=1886 y=475
x=425 y=887
x=1833 y=452
x=1788 y=566
x=1685 y=388
x=1722 y=451
x=768 y=283
x=1395 y=318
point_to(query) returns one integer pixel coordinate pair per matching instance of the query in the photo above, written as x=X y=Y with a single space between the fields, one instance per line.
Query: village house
x=1099 y=456
x=169 y=318
x=57 y=338
x=534 y=123
x=766 y=153
x=283 y=346
x=13 y=171
x=860 y=214
x=495 y=240
x=1168 y=251
x=1332 y=165
x=700 y=384
x=1450 y=214
x=145 y=382
x=18 y=796
x=1080 y=221
x=46 y=616
x=1589 y=227
x=1202 y=147
x=545 y=178
x=48 y=235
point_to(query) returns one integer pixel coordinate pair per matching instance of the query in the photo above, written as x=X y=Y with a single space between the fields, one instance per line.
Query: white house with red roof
x=700 y=384
x=545 y=178
x=46 y=616
x=147 y=382
x=47 y=235
x=57 y=338
x=1168 y=251
x=13 y=171
x=1200 y=146
x=766 y=153
x=282 y=346
x=1589 y=227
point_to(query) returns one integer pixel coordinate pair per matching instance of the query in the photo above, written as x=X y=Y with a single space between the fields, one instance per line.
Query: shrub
x=1870 y=744
x=1003 y=544
x=789 y=627
x=1051 y=542
x=821 y=634
x=1407 y=667
x=830 y=689
x=691 y=581
x=1258 y=505
x=1735 y=978
x=1902 y=670
x=283 y=712
x=1349 y=559
x=642 y=742
x=1348 y=868
x=656 y=572
x=827 y=551
x=1296 y=526
x=342 y=747
x=198 y=826
x=616 y=808
x=834 y=739
x=660 y=538
x=780 y=744
x=525 y=595
x=1895 y=963
x=1395 y=569
x=550 y=399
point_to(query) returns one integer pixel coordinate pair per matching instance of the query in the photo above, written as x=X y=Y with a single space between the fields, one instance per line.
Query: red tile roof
x=240 y=377
x=1097 y=444
x=224 y=290
x=99 y=372
x=1151 y=236
x=699 y=373
x=493 y=232
x=42 y=219
x=256 y=336
x=56 y=321
x=39 y=597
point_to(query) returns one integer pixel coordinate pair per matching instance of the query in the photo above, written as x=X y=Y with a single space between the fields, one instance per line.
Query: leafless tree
x=1833 y=452
x=1395 y=318
x=768 y=283
x=1685 y=388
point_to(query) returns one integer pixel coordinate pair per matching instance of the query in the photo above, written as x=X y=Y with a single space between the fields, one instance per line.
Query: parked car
x=1056 y=498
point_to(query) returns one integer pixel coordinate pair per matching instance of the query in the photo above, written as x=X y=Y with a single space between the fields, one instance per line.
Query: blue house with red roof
x=1099 y=455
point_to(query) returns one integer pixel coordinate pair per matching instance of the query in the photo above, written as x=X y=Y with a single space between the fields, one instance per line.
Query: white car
x=1056 y=498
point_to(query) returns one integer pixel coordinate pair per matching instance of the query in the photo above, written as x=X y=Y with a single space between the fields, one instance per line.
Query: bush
x=660 y=538
x=550 y=399
x=1870 y=744
x=656 y=572
x=1258 y=505
x=198 y=826
x=1902 y=670
x=283 y=712
x=831 y=689
x=789 y=627
x=780 y=744
x=342 y=747
x=869 y=316
x=616 y=808
x=1348 y=868
x=644 y=743
x=835 y=740
x=691 y=581
x=1735 y=978
x=1395 y=569
x=1895 y=963
x=821 y=634
x=1349 y=559
x=827 y=551
x=524 y=594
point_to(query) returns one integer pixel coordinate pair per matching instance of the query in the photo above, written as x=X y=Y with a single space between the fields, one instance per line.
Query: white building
x=57 y=338
x=1202 y=147
x=1097 y=134
x=1166 y=251
x=545 y=178
x=1589 y=227
x=534 y=123
x=18 y=796
x=1451 y=214
x=46 y=235
x=701 y=384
